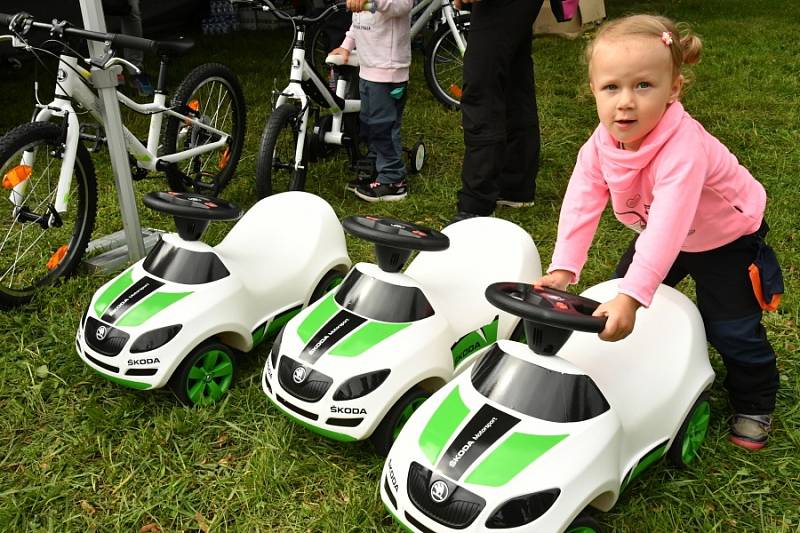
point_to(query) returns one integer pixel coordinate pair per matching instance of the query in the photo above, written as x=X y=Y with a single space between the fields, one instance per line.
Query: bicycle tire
x=275 y=170
x=32 y=252
x=206 y=83
x=444 y=64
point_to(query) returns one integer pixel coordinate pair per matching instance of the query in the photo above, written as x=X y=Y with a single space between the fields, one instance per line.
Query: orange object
x=57 y=257
x=755 y=280
x=16 y=175
x=194 y=105
x=224 y=158
x=455 y=90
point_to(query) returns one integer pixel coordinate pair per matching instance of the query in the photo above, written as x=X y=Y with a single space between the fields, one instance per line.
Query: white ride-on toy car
x=358 y=362
x=178 y=316
x=526 y=440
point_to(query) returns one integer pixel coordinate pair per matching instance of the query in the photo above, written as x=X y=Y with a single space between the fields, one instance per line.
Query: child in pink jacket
x=380 y=33
x=696 y=210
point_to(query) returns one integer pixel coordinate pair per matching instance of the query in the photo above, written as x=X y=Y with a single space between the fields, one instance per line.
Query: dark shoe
x=462 y=215
x=750 y=431
x=141 y=82
x=514 y=203
x=363 y=181
x=383 y=192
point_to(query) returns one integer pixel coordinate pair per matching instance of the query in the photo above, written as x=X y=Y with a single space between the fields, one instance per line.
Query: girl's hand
x=621 y=313
x=356 y=5
x=557 y=279
x=344 y=52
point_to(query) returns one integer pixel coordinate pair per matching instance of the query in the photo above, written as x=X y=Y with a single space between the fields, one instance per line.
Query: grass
x=79 y=453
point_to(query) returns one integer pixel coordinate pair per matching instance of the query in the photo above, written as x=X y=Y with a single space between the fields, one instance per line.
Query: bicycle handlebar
x=282 y=15
x=23 y=22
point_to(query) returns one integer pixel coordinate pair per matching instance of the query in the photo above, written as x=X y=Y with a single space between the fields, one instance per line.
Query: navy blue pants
x=381 y=116
x=732 y=317
x=498 y=106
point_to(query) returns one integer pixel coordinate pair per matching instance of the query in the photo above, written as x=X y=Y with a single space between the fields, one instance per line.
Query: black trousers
x=498 y=106
x=732 y=317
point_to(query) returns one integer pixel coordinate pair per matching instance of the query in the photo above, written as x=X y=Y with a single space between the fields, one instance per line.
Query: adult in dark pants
x=498 y=107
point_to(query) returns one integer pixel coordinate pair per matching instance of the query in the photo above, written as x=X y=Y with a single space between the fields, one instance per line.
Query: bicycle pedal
x=94 y=135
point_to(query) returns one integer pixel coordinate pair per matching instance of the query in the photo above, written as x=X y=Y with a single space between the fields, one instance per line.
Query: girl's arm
x=393 y=8
x=678 y=184
x=584 y=201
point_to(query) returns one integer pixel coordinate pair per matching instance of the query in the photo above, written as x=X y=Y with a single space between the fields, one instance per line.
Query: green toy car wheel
x=330 y=280
x=205 y=375
x=389 y=428
x=691 y=434
x=584 y=523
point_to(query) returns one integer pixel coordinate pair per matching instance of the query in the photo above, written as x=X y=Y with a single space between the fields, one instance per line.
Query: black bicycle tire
x=279 y=118
x=86 y=194
x=192 y=81
x=441 y=33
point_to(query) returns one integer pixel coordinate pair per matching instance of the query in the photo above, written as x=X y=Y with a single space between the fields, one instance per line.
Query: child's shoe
x=750 y=431
x=382 y=192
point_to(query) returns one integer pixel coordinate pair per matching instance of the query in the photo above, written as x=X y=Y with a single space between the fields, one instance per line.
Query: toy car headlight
x=523 y=509
x=362 y=385
x=155 y=338
x=276 y=348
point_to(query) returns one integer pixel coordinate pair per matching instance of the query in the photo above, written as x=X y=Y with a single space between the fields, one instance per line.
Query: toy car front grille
x=311 y=388
x=458 y=511
x=108 y=341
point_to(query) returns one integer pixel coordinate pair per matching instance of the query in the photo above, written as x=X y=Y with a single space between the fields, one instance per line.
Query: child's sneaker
x=363 y=181
x=750 y=431
x=383 y=192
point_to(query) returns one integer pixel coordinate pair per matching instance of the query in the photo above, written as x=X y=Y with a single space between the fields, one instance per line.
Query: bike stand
x=112 y=251
x=106 y=84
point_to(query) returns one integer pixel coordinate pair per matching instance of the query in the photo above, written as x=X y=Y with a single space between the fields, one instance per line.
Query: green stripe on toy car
x=324 y=310
x=474 y=341
x=269 y=328
x=366 y=337
x=119 y=285
x=150 y=306
x=512 y=457
x=448 y=416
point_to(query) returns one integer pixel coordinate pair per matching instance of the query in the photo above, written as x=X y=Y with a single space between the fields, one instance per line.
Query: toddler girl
x=696 y=210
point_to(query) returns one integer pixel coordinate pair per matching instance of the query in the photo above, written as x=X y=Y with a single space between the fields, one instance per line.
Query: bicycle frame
x=301 y=72
x=426 y=9
x=71 y=89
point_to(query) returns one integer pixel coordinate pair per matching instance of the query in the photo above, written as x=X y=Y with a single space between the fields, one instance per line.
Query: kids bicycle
x=296 y=132
x=443 y=53
x=48 y=175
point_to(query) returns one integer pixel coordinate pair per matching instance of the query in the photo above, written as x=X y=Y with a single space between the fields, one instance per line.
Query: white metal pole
x=106 y=83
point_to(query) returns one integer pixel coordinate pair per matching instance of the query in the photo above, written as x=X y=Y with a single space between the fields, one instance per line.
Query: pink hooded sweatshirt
x=383 y=41
x=682 y=190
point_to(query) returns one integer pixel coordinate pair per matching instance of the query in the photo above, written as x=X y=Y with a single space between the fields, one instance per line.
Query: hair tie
x=666 y=38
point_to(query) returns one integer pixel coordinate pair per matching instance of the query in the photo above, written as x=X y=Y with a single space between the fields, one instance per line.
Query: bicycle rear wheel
x=211 y=93
x=275 y=170
x=444 y=64
x=37 y=244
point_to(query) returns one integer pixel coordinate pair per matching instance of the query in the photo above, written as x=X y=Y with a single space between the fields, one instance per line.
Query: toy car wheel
x=389 y=428
x=417 y=155
x=692 y=433
x=584 y=523
x=330 y=280
x=205 y=375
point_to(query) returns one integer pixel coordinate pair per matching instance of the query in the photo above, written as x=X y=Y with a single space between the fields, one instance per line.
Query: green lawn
x=79 y=453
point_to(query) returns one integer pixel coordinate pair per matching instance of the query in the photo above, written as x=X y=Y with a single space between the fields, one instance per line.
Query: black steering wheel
x=395 y=239
x=550 y=315
x=192 y=212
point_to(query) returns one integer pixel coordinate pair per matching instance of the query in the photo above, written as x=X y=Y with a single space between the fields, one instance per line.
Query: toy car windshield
x=180 y=265
x=536 y=391
x=378 y=300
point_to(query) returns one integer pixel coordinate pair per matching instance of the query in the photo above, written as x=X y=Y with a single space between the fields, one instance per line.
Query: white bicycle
x=444 y=50
x=47 y=172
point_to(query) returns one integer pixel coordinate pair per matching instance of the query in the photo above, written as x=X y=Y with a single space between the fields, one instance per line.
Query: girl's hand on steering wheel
x=621 y=313
x=557 y=279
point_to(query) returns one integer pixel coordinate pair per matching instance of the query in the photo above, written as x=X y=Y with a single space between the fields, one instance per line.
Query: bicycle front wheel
x=212 y=95
x=275 y=171
x=38 y=244
x=444 y=64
